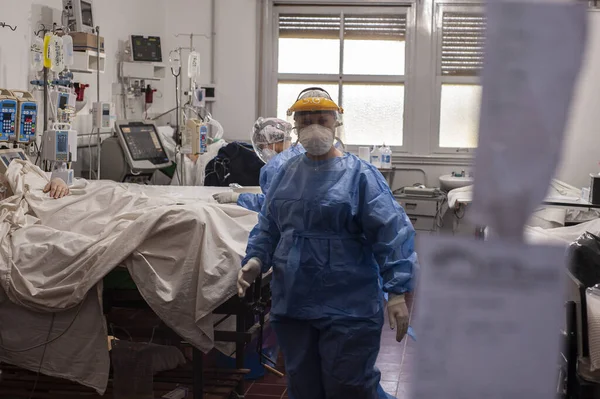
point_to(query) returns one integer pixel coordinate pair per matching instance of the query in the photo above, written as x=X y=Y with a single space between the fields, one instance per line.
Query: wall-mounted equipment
x=103 y=115
x=145 y=49
x=210 y=94
x=80 y=14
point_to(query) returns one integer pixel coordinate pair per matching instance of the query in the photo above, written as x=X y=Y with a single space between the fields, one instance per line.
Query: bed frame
x=200 y=381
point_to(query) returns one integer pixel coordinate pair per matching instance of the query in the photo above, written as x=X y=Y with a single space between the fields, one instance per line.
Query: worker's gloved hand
x=398 y=314
x=247 y=275
x=57 y=188
x=227 y=198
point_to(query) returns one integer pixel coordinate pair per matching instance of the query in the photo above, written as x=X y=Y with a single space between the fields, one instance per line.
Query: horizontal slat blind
x=384 y=27
x=309 y=26
x=463 y=41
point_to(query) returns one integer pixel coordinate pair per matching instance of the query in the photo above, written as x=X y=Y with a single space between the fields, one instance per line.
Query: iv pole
x=180 y=95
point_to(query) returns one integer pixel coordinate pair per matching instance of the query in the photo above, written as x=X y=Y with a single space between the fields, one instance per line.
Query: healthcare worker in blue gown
x=271 y=139
x=337 y=240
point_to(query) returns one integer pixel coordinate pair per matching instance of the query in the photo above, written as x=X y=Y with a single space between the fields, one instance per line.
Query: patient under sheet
x=183 y=254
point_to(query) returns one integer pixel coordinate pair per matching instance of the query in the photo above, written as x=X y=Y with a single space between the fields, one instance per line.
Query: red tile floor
x=394 y=362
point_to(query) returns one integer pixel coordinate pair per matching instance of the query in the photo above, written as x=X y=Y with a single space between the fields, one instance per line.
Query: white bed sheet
x=182 y=253
x=545 y=216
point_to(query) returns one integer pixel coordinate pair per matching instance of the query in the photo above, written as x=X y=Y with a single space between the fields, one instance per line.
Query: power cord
x=48 y=341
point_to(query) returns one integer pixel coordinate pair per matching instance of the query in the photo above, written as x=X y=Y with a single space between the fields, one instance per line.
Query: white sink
x=449 y=182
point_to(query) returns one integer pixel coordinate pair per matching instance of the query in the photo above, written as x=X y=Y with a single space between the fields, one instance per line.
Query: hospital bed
x=166 y=209
x=562 y=207
x=121 y=292
x=200 y=381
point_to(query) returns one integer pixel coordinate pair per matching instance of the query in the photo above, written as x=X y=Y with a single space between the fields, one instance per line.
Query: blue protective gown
x=333 y=233
x=254 y=202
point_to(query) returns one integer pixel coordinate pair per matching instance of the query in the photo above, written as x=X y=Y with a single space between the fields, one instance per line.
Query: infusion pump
x=103 y=115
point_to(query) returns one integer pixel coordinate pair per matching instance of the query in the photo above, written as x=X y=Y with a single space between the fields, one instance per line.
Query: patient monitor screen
x=143 y=143
x=86 y=13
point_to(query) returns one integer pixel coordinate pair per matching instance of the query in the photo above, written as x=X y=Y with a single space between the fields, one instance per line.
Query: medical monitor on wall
x=81 y=15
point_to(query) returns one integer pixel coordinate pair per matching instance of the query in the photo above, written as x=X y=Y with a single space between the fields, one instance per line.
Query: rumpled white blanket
x=182 y=254
x=545 y=216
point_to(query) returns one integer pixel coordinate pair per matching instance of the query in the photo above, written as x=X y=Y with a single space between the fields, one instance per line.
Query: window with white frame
x=357 y=54
x=461 y=40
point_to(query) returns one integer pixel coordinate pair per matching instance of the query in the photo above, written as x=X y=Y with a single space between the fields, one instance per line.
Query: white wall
x=582 y=150
x=235 y=57
x=235 y=69
x=117 y=19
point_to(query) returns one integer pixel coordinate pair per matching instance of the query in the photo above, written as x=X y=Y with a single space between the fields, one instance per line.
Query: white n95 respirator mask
x=316 y=139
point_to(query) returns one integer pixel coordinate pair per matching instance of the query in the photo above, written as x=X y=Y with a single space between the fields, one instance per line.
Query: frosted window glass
x=306 y=56
x=374 y=57
x=374 y=114
x=459 y=116
x=287 y=94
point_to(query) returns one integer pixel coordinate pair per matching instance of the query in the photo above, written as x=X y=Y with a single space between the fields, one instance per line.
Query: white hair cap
x=270 y=131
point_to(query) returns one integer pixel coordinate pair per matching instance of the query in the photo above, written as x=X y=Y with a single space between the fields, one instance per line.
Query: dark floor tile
x=249 y=385
x=267 y=389
x=272 y=379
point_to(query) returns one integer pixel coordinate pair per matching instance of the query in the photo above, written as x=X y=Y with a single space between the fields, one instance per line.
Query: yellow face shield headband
x=312 y=104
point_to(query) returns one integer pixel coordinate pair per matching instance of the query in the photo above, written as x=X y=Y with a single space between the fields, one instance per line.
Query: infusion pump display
x=143 y=143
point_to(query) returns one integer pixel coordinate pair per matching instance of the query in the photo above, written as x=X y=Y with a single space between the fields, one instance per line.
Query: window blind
x=310 y=26
x=384 y=27
x=367 y=27
x=463 y=40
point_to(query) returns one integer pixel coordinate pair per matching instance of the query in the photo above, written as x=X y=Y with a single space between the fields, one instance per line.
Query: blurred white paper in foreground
x=488 y=319
x=533 y=55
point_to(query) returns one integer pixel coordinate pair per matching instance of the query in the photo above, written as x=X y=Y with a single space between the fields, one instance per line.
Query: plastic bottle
x=391 y=155
x=47 y=59
x=376 y=157
x=386 y=157
x=37 y=54
x=68 y=50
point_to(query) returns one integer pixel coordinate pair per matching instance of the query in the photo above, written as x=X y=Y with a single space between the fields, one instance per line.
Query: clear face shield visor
x=272 y=138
